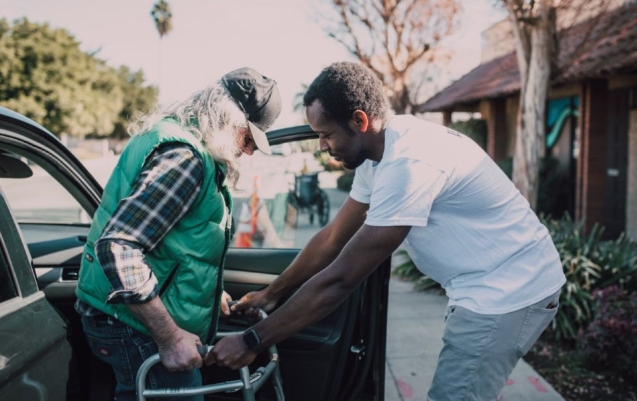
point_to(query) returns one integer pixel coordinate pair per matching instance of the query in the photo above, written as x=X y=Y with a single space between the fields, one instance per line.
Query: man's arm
x=318 y=296
x=320 y=251
x=170 y=180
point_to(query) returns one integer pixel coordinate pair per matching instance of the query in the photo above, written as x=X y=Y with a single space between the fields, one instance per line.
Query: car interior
x=340 y=357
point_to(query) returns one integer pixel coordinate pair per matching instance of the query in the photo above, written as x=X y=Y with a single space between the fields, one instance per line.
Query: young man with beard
x=461 y=219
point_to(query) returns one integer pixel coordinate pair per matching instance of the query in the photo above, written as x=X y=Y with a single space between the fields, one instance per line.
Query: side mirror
x=12 y=167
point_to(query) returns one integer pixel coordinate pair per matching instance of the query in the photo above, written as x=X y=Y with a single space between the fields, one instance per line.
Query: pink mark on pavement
x=405 y=389
x=500 y=398
x=509 y=382
x=536 y=383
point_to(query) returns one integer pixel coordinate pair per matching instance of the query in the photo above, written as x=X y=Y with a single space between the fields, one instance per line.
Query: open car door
x=287 y=197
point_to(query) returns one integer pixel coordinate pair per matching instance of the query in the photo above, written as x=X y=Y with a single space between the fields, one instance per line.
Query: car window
x=40 y=198
x=287 y=197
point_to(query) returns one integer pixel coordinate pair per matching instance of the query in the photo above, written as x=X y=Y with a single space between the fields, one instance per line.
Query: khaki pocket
x=537 y=319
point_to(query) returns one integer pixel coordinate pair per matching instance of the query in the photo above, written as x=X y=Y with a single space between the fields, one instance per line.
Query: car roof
x=4 y=112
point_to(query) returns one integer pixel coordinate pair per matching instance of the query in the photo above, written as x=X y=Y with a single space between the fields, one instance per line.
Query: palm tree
x=297 y=102
x=163 y=18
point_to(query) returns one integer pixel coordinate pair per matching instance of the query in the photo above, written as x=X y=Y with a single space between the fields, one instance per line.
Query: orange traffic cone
x=248 y=219
x=244 y=229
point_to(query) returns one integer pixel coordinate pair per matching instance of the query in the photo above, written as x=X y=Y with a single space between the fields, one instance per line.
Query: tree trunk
x=399 y=95
x=531 y=125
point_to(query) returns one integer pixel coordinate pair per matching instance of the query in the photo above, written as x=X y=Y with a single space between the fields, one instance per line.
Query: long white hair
x=212 y=116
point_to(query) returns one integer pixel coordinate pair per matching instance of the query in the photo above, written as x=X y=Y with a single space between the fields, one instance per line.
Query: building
x=591 y=112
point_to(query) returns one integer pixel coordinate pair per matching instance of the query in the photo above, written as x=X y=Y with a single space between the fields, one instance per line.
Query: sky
x=278 y=38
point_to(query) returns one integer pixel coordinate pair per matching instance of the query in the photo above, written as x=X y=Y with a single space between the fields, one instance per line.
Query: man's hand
x=230 y=352
x=179 y=351
x=257 y=299
x=177 y=347
x=225 y=309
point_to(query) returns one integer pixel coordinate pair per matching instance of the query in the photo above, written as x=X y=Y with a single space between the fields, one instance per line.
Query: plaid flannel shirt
x=163 y=192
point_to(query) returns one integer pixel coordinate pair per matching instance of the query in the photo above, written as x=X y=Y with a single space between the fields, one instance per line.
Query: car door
x=53 y=207
x=340 y=357
x=33 y=340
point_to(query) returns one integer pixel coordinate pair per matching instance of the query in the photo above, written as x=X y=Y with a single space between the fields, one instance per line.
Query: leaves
x=589 y=264
x=406 y=269
x=163 y=17
x=47 y=77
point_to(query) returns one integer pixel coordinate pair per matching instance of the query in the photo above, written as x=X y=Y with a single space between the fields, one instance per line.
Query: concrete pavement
x=414 y=340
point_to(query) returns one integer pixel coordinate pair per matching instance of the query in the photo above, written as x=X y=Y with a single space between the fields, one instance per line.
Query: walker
x=248 y=383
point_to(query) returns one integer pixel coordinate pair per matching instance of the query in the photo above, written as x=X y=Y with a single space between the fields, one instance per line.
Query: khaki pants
x=480 y=351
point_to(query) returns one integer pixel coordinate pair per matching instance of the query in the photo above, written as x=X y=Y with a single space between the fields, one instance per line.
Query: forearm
x=327 y=289
x=154 y=316
x=316 y=299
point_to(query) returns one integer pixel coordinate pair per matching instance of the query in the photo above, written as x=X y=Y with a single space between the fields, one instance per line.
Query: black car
x=47 y=200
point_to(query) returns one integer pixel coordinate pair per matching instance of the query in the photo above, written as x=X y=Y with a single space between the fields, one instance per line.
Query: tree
x=163 y=17
x=535 y=29
x=138 y=98
x=393 y=38
x=45 y=76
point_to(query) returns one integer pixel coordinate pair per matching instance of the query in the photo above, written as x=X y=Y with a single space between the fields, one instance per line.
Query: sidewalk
x=414 y=340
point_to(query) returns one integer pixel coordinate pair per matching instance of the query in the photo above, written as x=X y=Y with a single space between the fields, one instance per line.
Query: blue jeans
x=125 y=349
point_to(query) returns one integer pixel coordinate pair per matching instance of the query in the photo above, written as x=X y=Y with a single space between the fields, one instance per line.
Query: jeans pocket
x=114 y=352
x=449 y=311
x=536 y=321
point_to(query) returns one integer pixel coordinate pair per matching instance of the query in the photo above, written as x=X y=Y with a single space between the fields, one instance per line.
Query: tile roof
x=610 y=48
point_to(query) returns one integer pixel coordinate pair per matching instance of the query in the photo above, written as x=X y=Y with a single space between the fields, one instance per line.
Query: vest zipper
x=215 y=313
x=169 y=278
x=217 y=307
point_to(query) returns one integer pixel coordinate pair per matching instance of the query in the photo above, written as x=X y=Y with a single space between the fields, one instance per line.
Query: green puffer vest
x=188 y=262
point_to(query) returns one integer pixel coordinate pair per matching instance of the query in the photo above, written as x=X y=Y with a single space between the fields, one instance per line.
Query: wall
x=497 y=41
x=631 y=199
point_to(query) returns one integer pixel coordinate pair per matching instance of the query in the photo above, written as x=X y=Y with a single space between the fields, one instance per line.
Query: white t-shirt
x=472 y=230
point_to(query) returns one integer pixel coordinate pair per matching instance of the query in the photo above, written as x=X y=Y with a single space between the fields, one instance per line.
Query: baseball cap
x=259 y=98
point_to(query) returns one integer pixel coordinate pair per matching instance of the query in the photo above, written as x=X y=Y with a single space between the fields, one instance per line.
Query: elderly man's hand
x=225 y=308
x=179 y=352
x=230 y=352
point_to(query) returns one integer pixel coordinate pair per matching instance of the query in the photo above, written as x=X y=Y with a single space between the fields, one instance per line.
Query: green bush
x=474 y=128
x=327 y=161
x=406 y=270
x=344 y=182
x=610 y=341
x=589 y=264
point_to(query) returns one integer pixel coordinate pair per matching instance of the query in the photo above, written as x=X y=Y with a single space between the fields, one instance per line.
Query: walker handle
x=203 y=350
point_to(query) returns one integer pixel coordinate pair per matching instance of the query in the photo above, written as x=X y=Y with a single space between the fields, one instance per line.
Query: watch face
x=251 y=339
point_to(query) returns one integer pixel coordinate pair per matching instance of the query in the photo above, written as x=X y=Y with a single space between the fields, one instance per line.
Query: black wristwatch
x=252 y=341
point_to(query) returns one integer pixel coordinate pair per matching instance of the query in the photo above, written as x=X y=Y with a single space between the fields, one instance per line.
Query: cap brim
x=260 y=139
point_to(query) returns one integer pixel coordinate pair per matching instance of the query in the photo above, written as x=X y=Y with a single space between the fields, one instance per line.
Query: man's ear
x=360 y=120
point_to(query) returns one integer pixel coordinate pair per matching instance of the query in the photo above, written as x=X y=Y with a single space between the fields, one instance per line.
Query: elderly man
x=152 y=269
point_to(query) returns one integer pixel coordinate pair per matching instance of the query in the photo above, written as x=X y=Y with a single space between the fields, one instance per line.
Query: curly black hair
x=345 y=87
